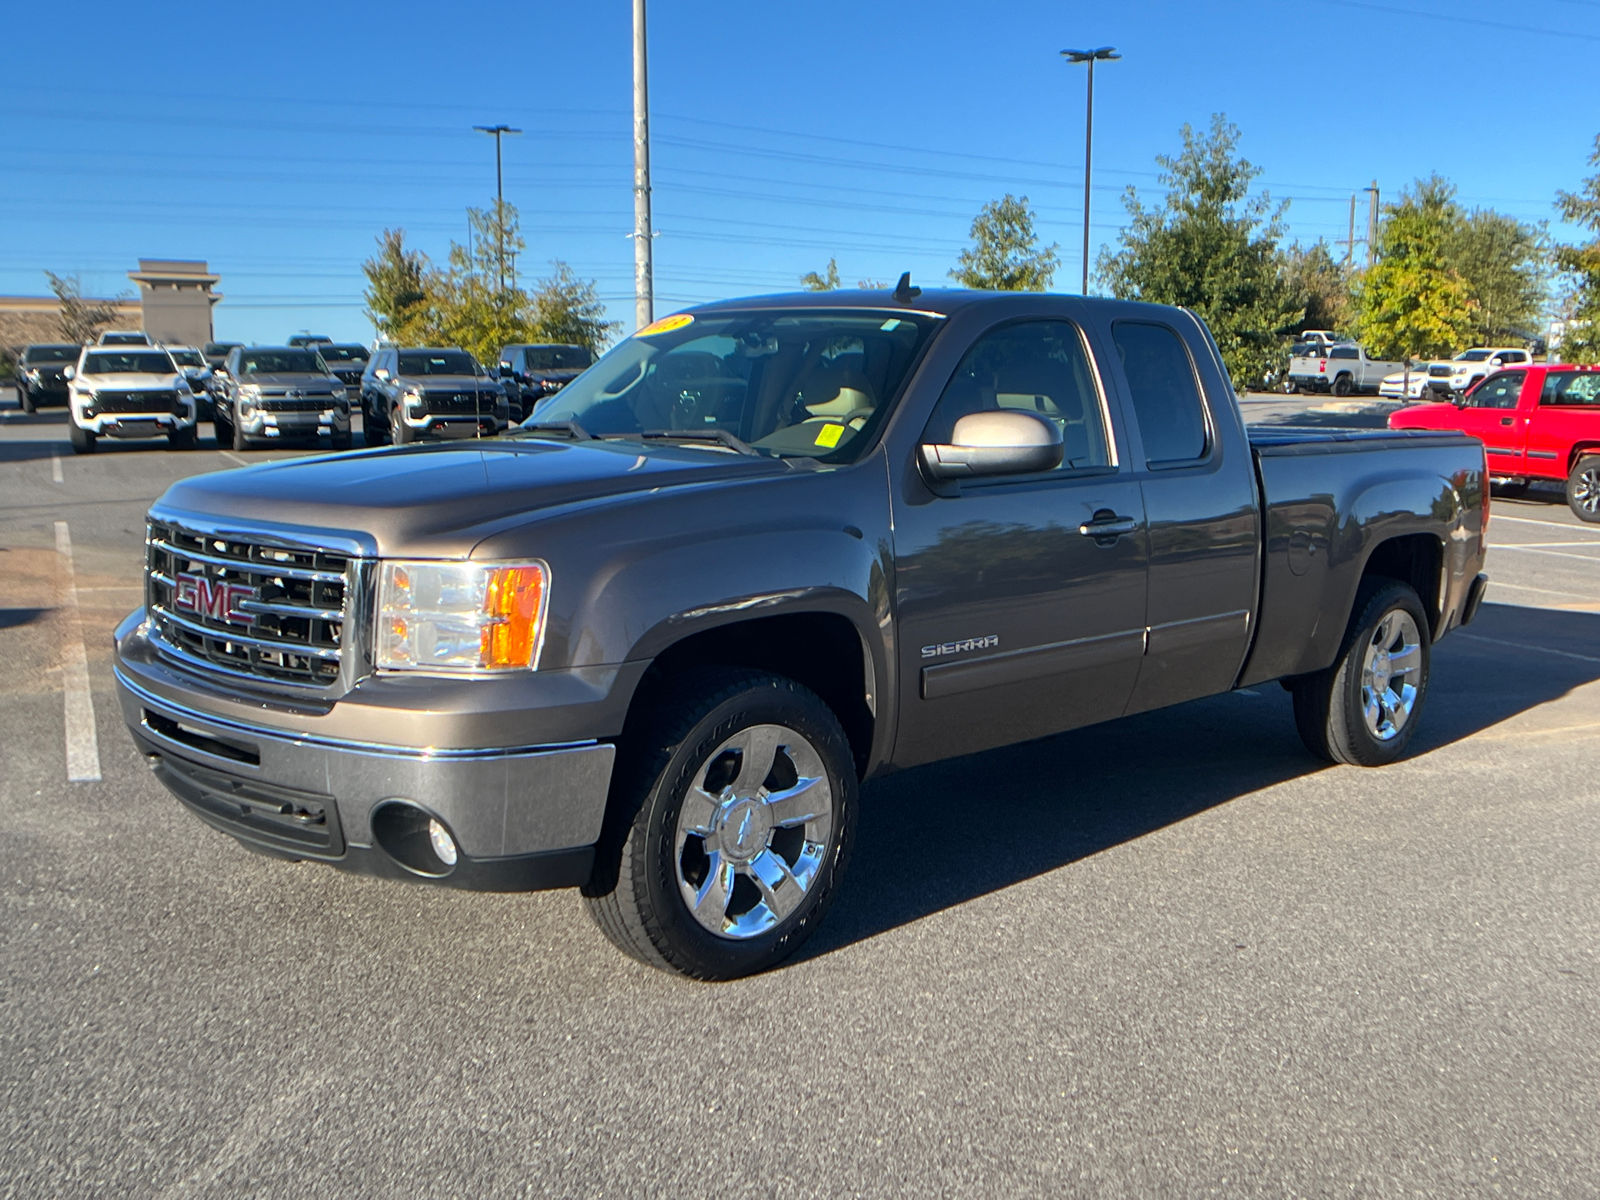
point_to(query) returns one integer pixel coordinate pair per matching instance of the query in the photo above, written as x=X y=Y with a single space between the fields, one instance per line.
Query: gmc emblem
x=214 y=598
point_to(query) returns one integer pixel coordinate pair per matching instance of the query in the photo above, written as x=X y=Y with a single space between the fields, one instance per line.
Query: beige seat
x=840 y=396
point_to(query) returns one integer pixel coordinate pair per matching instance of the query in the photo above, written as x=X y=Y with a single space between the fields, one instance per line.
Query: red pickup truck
x=1535 y=422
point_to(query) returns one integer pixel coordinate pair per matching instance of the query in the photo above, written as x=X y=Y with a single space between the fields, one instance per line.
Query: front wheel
x=82 y=439
x=1583 y=488
x=26 y=400
x=399 y=432
x=182 y=438
x=240 y=442
x=731 y=821
x=1364 y=709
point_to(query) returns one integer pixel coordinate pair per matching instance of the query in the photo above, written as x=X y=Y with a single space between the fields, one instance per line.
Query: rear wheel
x=1364 y=709
x=1341 y=386
x=1583 y=488
x=82 y=439
x=731 y=820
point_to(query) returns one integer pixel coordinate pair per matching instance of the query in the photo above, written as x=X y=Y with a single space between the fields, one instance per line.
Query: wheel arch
x=1416 y=559
x=1580 y=449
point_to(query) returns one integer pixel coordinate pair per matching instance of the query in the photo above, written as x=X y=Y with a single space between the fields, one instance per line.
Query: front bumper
x=135 y=425
x=261 y=424
x=523 y=817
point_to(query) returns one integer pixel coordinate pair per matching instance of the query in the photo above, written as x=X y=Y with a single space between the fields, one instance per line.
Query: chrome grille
x=266 y=609
x=306 y=404
x=1440 y=372
x=451 y=402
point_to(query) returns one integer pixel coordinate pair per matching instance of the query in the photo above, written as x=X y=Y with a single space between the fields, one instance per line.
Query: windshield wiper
x=571 y=428
x=720 y=436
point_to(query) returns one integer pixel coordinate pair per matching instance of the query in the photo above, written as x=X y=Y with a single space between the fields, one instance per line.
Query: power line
x=1454 y=18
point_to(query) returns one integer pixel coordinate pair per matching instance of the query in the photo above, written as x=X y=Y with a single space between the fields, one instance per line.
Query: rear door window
x=1572 y=389
x=1164 y=390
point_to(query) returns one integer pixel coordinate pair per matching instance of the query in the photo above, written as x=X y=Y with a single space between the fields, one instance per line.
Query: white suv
x=1470 y=366
x=129 y=392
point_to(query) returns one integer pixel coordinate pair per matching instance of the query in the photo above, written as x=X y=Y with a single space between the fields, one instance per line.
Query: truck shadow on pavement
x=934 y=837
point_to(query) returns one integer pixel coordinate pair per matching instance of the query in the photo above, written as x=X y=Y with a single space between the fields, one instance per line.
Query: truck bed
x=1313 y=559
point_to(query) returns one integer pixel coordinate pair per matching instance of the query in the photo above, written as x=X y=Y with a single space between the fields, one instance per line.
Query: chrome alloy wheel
x=1586 y=489
x=753 y=831
x=1390 y=669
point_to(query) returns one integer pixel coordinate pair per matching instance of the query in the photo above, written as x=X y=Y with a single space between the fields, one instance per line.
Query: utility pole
x=499 y=196
x=1350 y=243
x=1103 y=54
x=1372 y=223
x=644 y=303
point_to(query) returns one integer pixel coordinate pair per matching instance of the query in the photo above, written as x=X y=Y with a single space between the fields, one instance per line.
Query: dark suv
x=278 y=393
x=38 y=374
x=346 y=362
x=409 y=394
x=533 y=372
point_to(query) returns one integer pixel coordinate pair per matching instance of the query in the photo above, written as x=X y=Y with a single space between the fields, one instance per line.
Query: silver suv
x=129 y=392
x=277 y=394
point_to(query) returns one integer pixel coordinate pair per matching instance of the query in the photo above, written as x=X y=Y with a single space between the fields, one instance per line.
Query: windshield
x=187 y=358
x=437 y=362
x=558 y=358
x=220 y=349
x=1472 y=356
x=805 y=382
x=343 y=353
x=279 y=362
x=49 y=354
x=124 y=339
x=129 y=362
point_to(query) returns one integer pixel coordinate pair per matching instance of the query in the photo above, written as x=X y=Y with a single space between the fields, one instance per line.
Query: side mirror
x=995 y=442
x=69 y=372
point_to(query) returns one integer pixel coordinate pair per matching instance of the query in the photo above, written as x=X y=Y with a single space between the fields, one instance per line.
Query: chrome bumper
x=523 y=816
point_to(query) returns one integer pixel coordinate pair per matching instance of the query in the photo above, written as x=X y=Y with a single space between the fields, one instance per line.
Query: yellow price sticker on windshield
x=829 y=435
x=666 y=325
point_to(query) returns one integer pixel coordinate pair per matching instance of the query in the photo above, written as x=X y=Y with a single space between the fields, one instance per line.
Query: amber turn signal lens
x=513 y=604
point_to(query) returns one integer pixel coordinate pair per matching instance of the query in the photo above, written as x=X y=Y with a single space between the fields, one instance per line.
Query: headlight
x=414 y=397
x=455 y=616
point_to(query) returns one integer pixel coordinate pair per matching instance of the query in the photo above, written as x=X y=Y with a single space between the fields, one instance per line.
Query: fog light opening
x=443 y=844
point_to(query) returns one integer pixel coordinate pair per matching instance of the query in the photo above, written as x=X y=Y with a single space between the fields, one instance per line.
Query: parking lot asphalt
x=1166 y=956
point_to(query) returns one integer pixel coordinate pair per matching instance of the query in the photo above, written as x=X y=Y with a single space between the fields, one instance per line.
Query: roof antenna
x=904 y=292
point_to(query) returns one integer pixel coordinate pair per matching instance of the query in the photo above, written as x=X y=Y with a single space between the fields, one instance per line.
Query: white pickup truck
x=1343 y=370
x=1465 y=370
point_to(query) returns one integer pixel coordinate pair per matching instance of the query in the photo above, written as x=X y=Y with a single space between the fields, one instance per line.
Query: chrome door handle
x=1115 y=527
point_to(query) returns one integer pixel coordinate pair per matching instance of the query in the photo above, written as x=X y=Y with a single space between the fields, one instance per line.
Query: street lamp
x=499 y=195
x=1103 y=54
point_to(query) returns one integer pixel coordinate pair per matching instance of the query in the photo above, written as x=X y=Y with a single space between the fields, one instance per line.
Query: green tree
x=828 y=281
x=1581 y=267
x=1319 y=284
x=398 y=303
x=81 y=320
x=1411 y=303
x=568 y=309
x=1506 y=265
x=1211 y=247
x=1005 y=255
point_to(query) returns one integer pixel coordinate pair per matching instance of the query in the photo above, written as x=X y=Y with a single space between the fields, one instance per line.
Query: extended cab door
x=1197 y=476
x=1491 y=413
x=1565 y=414
x=1020 y=599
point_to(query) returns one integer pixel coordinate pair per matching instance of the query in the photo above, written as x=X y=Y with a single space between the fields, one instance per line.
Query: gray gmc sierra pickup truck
x=649 y=644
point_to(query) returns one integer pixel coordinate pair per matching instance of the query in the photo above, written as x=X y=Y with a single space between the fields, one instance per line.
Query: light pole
x=499 y=196
x=1103 y=54
x=644 y=301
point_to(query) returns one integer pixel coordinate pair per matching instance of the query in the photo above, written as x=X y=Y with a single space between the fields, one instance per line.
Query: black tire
x=401 y=433
x=182 y=439
x=82 y=439
x=240 y=442
x=343 y=441
x=26 y=400
x=1341 y=386
x=635 y=895
x=1583 y=489
x=1510 y=491
x=1329 y=708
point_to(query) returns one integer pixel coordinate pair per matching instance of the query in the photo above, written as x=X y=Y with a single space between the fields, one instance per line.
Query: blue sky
x=277 y=146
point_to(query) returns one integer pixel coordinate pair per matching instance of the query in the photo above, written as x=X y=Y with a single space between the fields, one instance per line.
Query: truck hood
x=127 y=383
x=438 y=500
x=290 y=379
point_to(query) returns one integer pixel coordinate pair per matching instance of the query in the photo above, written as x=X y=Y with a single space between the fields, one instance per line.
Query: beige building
x=176 y=297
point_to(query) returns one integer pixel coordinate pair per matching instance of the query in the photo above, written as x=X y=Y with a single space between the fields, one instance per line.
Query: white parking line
x=1523 y=587
x=1552 y=524
x=243 y=462
x=55 y=469
x=1588 y=558
x=1478 y=637
x=83 y=746
x=1540 y=545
